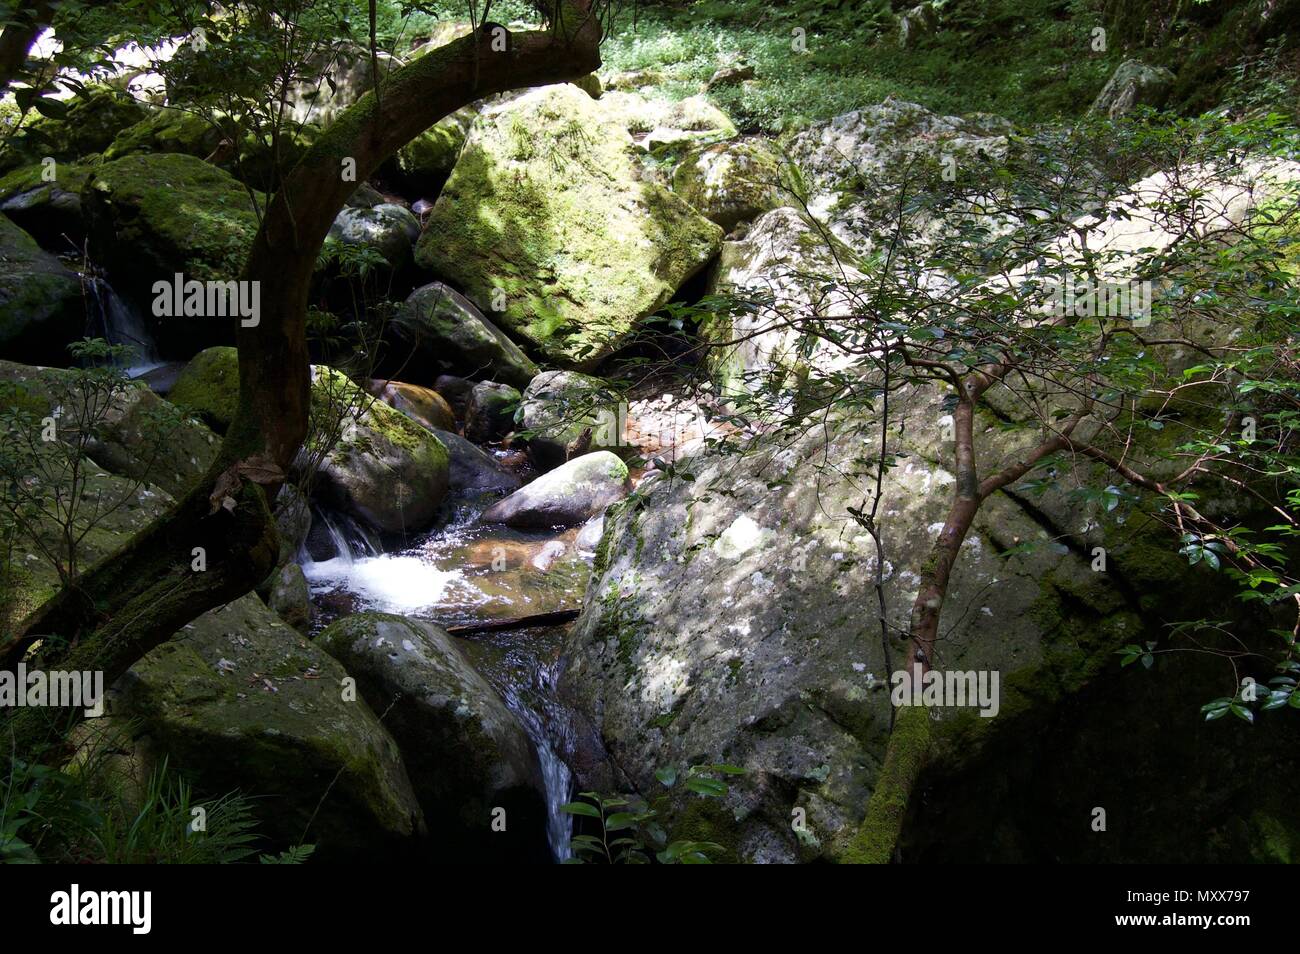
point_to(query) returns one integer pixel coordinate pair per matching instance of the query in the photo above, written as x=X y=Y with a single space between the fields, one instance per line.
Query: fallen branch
x=514 y=622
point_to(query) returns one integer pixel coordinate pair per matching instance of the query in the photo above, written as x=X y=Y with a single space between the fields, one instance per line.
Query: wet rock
x=423 y=405
x=490 y=414
x=456 y=391
x=450 y=332
x=566 y=496
x=474 y=471
x=466 y=754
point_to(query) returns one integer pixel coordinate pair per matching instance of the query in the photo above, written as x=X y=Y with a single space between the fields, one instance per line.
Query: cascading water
x=523 y=666
x=456 y=575
x=112 y=318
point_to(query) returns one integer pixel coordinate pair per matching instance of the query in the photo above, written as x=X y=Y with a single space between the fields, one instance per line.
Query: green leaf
x=708 y=787
x=667 y=776
x=581 y=808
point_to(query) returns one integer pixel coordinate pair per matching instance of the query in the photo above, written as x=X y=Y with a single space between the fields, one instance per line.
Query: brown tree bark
x=17 y=37
x=877 y=837
x=136 y=599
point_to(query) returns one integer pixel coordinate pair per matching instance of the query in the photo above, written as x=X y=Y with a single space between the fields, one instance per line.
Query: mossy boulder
x=90 y=123
x=238 y=700
x=150 y=217
x=547 y=214
x=208 y=387
x=422 y=166
x=45 y=201
x=136 y=434
x=451 y=333
x=384 y=468
x=41 y=307
x=167 y=131
x=734 y=181
x=466 y=753
x=565 y=497
x=140 y=454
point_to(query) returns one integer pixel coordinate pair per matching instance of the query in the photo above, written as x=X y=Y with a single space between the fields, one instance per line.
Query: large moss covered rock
x=238 y=700
x=41 y=307
x=138 y=454
x=384 y=468
x=735 y=181
x=167 y=130
x=467 y=755
x=548 y=216
x=381 y=466
x=90 y=122
x=46 y=202
x=732 y=617
x=208 y=387
x=150 y=217
x=451 y=333
x=423 y=164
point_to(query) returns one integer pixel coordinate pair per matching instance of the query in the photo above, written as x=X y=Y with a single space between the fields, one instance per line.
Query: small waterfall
x=351 y=540
x=555 y=774
x=110 y=317
x=525 y=674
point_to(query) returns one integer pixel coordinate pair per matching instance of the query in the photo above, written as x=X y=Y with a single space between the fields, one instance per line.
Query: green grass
x=1029 y=60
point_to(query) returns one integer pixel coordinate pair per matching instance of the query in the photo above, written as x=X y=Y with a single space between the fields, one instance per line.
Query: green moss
x=708 y=820
x=91 y=123
x=909 y=745
x=209 y=386
x=546 y=205
x=166 y=130
x=152 y=216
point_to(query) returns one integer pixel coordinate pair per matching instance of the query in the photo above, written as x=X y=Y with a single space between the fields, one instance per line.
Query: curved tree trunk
x=137 y=598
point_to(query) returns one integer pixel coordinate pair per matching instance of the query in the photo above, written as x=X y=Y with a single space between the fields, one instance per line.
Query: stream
x=466 y=572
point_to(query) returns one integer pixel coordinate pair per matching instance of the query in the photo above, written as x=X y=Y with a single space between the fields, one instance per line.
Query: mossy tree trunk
x=877 y=837
x=134 y=600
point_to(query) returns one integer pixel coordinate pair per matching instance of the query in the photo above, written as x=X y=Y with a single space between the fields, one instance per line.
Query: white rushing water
x=410 y=583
